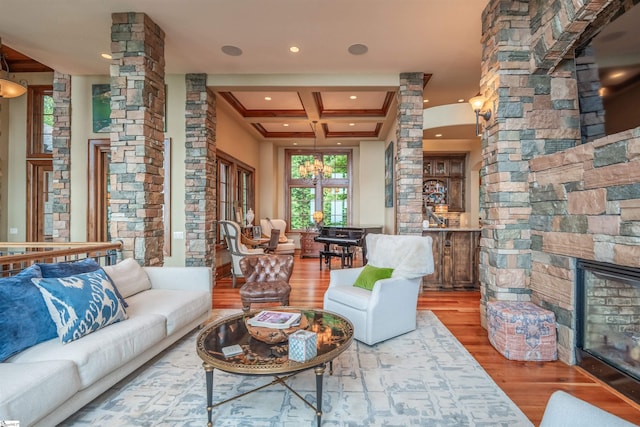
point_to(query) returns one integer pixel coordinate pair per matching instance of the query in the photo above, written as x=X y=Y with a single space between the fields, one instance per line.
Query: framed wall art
x=101 y=107
x=388 y=176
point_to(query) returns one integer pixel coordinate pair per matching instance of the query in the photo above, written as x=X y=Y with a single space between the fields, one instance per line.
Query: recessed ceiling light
x=267 y=98
x=231 y=50
x=617 y=75
x=460 y=100
x=352 y=124
x=285 y=124
x=295 y=143
x=353 y=97
x=106 y=55
x=425 y=100
x=339 y=143
x=438 y=135
x=358 y=49
x=294 y=49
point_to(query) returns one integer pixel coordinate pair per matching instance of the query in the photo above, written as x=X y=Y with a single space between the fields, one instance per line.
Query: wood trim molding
x=97 y=192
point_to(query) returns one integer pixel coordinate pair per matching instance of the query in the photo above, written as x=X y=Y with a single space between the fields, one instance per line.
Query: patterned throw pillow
x=64 y=269
x=370 y=275
x=81 y=304
x=24 y=318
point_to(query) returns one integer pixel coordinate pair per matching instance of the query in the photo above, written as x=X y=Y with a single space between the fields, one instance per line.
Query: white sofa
x=45 y=384
x=565 y=410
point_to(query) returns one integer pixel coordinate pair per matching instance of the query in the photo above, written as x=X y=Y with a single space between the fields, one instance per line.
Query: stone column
x=137 y=137
x=504 y=203
x=61 y=157
x=200 y=172
x=534 y=112
x=408 y=168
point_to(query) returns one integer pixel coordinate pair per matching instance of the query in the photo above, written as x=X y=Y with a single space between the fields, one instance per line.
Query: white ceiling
x=438 y=37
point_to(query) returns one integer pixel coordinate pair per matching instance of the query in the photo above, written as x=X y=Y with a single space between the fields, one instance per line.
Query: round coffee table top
x=334 y=335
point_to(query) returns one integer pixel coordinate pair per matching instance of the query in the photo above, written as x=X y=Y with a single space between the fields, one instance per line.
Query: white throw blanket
x=409 y=256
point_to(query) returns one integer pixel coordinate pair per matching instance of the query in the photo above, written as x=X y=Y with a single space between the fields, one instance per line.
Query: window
x=40 y=121
x=236 y=184
x=331 y=195
x=39 y=163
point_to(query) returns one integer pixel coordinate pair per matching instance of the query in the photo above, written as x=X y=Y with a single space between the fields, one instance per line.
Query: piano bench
x=346 y=258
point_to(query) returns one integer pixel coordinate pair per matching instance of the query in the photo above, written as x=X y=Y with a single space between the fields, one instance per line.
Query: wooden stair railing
x=15 y=256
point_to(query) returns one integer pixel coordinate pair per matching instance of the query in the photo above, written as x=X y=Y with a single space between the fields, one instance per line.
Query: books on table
x=275 y=319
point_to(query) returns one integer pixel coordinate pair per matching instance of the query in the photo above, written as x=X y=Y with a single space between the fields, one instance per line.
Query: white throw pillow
x=129 y=277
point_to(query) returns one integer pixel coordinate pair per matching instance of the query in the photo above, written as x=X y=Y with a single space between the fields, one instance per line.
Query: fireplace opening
x=608 y=324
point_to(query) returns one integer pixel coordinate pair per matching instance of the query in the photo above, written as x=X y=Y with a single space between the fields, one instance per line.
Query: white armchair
x=231 y=232
x=389 y=309
x=285 y=245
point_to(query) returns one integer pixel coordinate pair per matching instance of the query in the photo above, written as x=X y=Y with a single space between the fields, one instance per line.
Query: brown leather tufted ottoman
x=267 y=279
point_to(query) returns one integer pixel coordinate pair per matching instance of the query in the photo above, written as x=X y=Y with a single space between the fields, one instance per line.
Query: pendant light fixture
x=8 y=88
x=315 y=170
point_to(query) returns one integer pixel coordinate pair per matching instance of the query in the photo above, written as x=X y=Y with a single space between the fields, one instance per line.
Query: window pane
x=338 y=163
x=335 y=206
x=302 y=207
x=296 y=161
x=47 y=124
x=223 y=191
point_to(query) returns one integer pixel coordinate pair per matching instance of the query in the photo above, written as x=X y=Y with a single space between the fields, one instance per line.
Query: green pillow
x=370 y=275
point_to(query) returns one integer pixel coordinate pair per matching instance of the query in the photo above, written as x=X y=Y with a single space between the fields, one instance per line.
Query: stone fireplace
x=608 y=324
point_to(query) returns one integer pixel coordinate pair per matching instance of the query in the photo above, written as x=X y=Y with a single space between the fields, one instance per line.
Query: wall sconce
x=477 y=102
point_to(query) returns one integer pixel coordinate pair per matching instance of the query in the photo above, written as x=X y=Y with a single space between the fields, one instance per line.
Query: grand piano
x=345 y=238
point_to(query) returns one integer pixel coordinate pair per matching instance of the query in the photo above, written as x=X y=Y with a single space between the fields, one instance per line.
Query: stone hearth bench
x=522 y=330
x=47 y=382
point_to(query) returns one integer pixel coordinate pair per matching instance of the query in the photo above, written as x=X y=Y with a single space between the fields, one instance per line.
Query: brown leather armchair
x=267 y=279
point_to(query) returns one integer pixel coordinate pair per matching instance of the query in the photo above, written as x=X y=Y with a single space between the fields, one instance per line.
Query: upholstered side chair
x=267 y=279
x=231 y=232
x=389 y=308
x=285 y=244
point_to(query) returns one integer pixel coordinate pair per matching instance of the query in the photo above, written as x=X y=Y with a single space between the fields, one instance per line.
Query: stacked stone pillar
x=137 y=136
x=200 y=172
x=534 y=112
x=61 y=157
x=408 y=168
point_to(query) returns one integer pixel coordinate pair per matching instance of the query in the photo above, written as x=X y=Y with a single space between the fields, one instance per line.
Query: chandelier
x=315 y=170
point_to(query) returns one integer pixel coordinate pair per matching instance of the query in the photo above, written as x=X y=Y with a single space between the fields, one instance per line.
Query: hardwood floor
x=528 y=384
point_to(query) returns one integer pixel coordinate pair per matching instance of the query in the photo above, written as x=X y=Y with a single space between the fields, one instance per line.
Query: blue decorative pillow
x=64 y=269
x=24 y=317
x=81 y=304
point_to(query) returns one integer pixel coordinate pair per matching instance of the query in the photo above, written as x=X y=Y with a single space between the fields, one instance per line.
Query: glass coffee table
x=334 y=335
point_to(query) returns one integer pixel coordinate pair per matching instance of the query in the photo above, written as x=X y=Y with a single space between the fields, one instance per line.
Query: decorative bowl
x=272 y=335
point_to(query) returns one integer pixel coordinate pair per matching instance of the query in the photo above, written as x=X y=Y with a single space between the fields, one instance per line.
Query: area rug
x=423 y=378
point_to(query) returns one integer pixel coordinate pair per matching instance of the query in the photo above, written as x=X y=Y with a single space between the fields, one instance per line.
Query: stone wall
x=200 y=172
x=408 y=172
x=61 y=157
x=585 y=204
x=546 y=199
x=137 y=136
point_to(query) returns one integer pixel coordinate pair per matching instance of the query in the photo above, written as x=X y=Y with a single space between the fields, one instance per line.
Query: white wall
x=175 y=122
x=369 y=187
